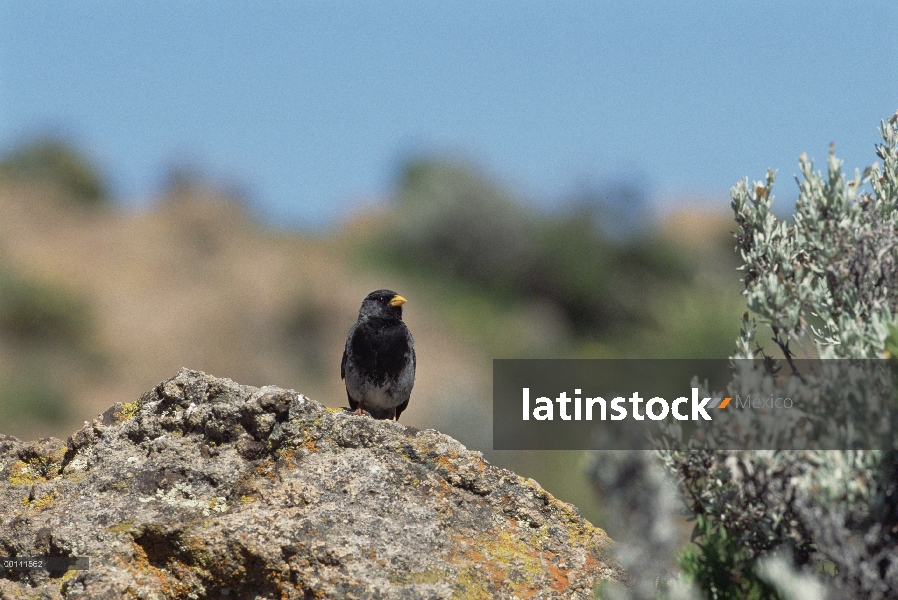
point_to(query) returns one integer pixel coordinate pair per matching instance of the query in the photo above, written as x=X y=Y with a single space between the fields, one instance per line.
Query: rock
x=204 y=488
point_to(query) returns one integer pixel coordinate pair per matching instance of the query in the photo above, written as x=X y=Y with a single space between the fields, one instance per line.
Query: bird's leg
x=360 y=410
x=395 y=416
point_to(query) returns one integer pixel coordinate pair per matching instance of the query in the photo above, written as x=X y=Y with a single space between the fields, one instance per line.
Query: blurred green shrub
x=29 y=398
x=452 y=223
x=40 y=314
x=41 y=328
x=719 y=564
x=56 y=162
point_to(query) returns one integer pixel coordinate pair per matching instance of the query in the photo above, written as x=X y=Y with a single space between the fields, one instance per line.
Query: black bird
x=379 y=358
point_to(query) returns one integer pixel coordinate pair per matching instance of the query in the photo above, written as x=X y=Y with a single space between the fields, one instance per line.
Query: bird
x=379 y=358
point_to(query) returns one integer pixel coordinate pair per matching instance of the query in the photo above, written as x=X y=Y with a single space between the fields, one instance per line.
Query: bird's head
x=383 y=304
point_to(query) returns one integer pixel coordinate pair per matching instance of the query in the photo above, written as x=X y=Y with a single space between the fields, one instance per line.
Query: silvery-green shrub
x=822 y=283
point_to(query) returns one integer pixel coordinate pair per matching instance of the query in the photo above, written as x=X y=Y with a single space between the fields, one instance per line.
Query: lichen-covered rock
x=204 y=488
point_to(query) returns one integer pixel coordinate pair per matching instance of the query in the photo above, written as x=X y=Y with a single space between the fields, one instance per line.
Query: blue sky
x=313 y=106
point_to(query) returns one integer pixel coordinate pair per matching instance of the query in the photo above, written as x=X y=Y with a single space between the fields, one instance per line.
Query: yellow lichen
x=40 y=503
x=508 y=550
x=471 y=585
x=318 y=420
x=583 y=532
x=75 y=477
x=21 y=473
x=37 y=469
x=538 y=536
x=44 y=500
x=423 y=577
x=71 y=574
x=127 y=411
x=501 y=556
x=334 y=410
x=485 y=560
x=123 y=527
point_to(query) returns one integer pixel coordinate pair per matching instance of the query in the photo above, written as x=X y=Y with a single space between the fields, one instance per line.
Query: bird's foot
x=361 y=411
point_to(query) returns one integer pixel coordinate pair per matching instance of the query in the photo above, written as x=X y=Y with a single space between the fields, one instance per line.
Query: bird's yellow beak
x=398 y=300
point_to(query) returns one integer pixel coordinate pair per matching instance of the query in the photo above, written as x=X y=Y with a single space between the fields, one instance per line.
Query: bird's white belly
x=372 y=396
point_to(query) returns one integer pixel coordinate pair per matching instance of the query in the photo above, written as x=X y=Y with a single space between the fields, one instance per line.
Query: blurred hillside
x=98 y=303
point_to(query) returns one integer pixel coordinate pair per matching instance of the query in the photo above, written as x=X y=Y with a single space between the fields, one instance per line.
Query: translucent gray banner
x=624 y=404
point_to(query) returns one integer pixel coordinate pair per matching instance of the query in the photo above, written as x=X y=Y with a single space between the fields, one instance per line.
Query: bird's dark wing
x=413 y=360
x=353 y=404
x=346 y=351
